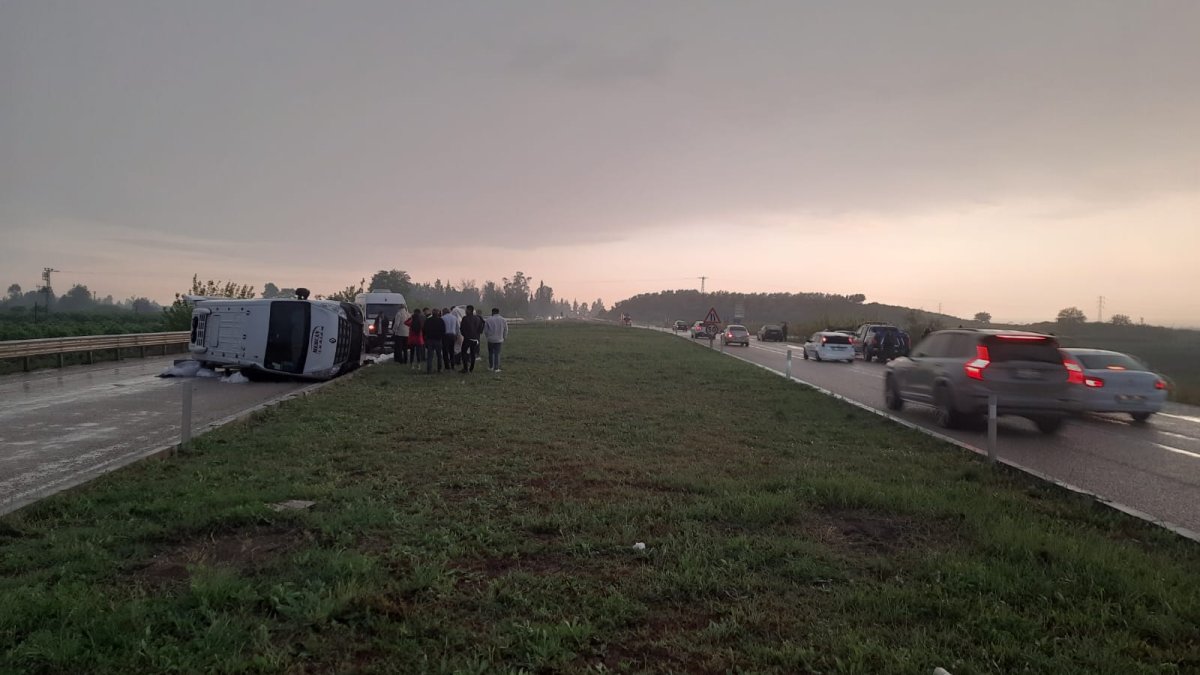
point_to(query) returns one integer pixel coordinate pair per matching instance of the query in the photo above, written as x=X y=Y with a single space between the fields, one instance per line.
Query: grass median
x=486 y=523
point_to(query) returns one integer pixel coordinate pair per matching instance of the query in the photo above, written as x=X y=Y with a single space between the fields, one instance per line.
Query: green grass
x=484 y=524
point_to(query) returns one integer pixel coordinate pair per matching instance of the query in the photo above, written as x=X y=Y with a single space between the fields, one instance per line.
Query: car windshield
x=1109 y=361
x=287 y=336
x=374 y=309
x=837 y=339
x=738 y=329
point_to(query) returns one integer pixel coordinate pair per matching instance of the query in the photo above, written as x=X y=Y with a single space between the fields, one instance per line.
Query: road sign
x=712 y=316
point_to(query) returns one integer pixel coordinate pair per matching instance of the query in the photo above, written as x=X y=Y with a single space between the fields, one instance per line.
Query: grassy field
x=485 y=523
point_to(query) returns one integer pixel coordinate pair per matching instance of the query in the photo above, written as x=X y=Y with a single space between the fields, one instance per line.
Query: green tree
x=396 y=281
x=983 y=317
x=78 y=299
x=179 y=315
x=1071 y=316
x=270 y=290
x=14 y=292
x=348 y=293
x=857 y=298
x=1121 y=320
x=516 y=294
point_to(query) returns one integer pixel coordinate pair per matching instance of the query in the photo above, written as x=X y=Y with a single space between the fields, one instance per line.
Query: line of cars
x=957 y=372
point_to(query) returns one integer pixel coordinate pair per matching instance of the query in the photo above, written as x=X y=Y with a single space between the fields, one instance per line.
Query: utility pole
x=46 y=288
x=1100 y=310
x=702 y=284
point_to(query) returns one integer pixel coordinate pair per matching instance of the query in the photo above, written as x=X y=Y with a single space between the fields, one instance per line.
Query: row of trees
x=79 y=298
x=1073 y=316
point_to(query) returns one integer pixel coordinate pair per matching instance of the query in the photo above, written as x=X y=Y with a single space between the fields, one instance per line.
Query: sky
x=1012 y=157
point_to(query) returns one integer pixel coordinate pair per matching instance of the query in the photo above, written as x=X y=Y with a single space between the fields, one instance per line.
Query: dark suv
x=956 y=371
x=880 y=341
x=770 y=333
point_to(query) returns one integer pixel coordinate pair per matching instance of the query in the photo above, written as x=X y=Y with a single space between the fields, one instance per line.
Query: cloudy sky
x=1014 y=157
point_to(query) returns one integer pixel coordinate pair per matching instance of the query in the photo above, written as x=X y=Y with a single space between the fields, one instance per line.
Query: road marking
x=1179 y=450
x=1181 y=417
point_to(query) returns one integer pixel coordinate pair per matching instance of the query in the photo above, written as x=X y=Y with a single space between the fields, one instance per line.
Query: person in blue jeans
x=495 y=327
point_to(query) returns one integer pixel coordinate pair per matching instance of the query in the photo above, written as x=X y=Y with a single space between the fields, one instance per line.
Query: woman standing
x=400 y=335
x=416 y=340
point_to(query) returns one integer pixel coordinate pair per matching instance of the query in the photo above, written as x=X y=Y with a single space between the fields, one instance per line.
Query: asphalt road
x=1152 y=467
x=63 y=427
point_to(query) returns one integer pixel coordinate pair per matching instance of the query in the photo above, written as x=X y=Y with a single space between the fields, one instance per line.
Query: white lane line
x=1179 y=450
x=1181 y=417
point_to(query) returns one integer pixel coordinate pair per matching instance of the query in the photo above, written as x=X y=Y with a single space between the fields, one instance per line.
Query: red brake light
x=975 y=368
x=1074 y=372
x=1020 y=338
x=1160 y=385
x=371 y=328
x=1093 y=382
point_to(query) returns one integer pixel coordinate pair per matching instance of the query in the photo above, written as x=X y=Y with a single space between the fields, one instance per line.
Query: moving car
x=955 y=371
x=736 y=335
x=699 y=330
x=301 y=338
x=1105 y=381
x=880 y=341
x=770 y=333
x=828 y=345
x=680 y=325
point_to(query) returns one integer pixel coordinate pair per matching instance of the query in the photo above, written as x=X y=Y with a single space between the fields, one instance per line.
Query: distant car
x=770 y=333
x=880 y=341
x=736 y=335
x=699 y=330
x=680 y=325
x=827 y=345
x=955 y=372
x=1104 y=381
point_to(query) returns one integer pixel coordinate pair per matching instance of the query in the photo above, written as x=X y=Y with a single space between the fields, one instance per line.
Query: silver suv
x=955 y=371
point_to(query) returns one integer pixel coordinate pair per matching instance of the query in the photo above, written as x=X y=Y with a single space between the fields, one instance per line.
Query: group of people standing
x=441 y=338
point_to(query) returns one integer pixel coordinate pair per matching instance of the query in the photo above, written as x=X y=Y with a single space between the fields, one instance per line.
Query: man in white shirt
x=450 y=338
x=495 y=327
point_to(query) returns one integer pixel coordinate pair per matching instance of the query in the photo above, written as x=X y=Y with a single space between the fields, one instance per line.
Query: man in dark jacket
x=471 y=327
x=433 y=331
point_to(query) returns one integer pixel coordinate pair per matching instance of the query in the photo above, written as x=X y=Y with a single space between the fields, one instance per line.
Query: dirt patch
x=243 y=551
x=871 y=533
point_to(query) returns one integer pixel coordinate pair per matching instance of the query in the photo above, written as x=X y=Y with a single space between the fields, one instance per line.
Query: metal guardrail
x=24 y=349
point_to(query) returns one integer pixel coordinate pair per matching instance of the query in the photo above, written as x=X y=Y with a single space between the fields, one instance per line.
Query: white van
x=379 y=306
x=310 y=339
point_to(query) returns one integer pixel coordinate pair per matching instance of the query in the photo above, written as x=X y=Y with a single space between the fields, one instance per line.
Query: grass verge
x=485 y=523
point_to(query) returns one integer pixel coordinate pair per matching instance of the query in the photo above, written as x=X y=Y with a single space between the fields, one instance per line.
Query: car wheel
x=943 y=409
x=818 y=355
x=805 y=354
x=891 y=394
x=866 y=355
x=1048 y=425
x=1140 y=416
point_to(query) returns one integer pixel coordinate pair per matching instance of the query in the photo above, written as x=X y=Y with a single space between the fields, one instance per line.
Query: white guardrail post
x=991 y=448
x=788 y=371
x=185 y=426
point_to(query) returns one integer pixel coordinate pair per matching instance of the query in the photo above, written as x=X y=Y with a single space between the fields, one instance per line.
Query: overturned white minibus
x=309 y=339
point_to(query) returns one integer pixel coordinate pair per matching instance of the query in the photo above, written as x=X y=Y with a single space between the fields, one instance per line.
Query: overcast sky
x=1009 y=157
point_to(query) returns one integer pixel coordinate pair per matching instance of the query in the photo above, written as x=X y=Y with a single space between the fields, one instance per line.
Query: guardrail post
x=143 y=351
x=789 y=363
x=185 y=427
x=991 y=449
x=91 y=359
x=60 y=359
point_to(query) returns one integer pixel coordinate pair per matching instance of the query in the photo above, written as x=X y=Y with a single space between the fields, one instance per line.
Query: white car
x=828 y=345
x=1104 y=381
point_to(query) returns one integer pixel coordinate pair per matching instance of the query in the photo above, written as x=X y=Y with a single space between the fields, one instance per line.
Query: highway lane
x=63 y=427
x=1152 y=467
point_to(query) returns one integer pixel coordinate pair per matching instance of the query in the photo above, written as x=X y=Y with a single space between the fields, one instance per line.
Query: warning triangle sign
x=712 y=316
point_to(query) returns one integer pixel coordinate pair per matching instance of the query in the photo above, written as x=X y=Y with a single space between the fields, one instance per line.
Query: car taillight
x=824 y=339
x=1093 y=382
x=1074 y=372
x=974 y=369
x=1161 y=384
x=371 y=328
